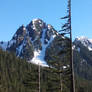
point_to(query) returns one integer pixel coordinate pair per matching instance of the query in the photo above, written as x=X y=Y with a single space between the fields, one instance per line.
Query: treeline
x=12 y=73
x=17 y=75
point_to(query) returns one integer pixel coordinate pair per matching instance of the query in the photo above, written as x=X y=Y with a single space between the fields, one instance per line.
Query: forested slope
x=17 y=75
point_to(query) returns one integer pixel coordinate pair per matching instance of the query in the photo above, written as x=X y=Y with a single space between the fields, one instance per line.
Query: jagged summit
x=81 y=38
x=84 y=41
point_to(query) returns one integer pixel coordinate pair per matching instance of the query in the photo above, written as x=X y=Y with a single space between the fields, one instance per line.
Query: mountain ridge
x=30 y=42
x=85 y=41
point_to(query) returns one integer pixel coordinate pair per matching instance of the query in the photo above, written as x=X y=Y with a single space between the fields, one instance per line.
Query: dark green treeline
x=17 y=75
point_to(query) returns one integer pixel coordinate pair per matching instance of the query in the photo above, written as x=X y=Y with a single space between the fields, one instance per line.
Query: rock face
x=21 y=44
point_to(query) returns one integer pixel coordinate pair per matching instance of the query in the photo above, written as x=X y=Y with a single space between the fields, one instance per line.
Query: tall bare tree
x=39 y=77
x=67 y=29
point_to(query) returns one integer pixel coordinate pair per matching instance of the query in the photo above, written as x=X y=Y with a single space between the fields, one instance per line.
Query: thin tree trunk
x=60 y=82
x=71 y=51
x=39 y=77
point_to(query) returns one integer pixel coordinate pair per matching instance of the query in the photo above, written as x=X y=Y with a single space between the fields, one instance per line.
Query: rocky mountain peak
x=49 y=26
x=81 y=39
x=36 y=29
x=37 y=22
x=84 y=41
x=32 y=42
x=20 y=33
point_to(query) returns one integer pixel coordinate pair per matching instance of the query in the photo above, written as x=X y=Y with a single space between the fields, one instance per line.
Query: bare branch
x=65 y=17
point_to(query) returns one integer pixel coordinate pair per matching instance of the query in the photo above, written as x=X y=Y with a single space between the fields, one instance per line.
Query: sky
x=14 y=13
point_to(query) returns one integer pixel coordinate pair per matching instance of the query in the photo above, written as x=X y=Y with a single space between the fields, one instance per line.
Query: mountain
x=84 y=41
x=82 y=47
x=33 y=42
x=40 y=43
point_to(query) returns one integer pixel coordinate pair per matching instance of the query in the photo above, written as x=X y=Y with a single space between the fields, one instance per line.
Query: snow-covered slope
x=40 y=54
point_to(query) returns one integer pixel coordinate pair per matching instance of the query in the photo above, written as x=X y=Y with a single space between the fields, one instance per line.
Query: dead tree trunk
x=39 y=77
x=67 y=29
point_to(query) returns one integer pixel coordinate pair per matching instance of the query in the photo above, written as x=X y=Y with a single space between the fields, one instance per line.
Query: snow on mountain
x=73 y=47
x=11 y=43
x=37 y=40
x=30 y=42
x=40 y=54
x=41 y=35
x=78 y=49
x=85 y=41
x=19 y=49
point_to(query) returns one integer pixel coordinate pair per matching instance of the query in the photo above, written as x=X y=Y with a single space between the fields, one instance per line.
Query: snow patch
x=11 y=43
x=90 y=48
x=39 y=59
x=82 y=38
x=85 y=41
x=3 y=45
x=49 y=26
x=24 y=28
x=19 y=49
x=73 y=47
x=40 y=54
x=33 y=21
x=64 y=67
x=78 y=49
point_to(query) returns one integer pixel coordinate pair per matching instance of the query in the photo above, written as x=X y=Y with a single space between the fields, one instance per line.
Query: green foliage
x=83 y=85
x=17 y=75
x=12 y=71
